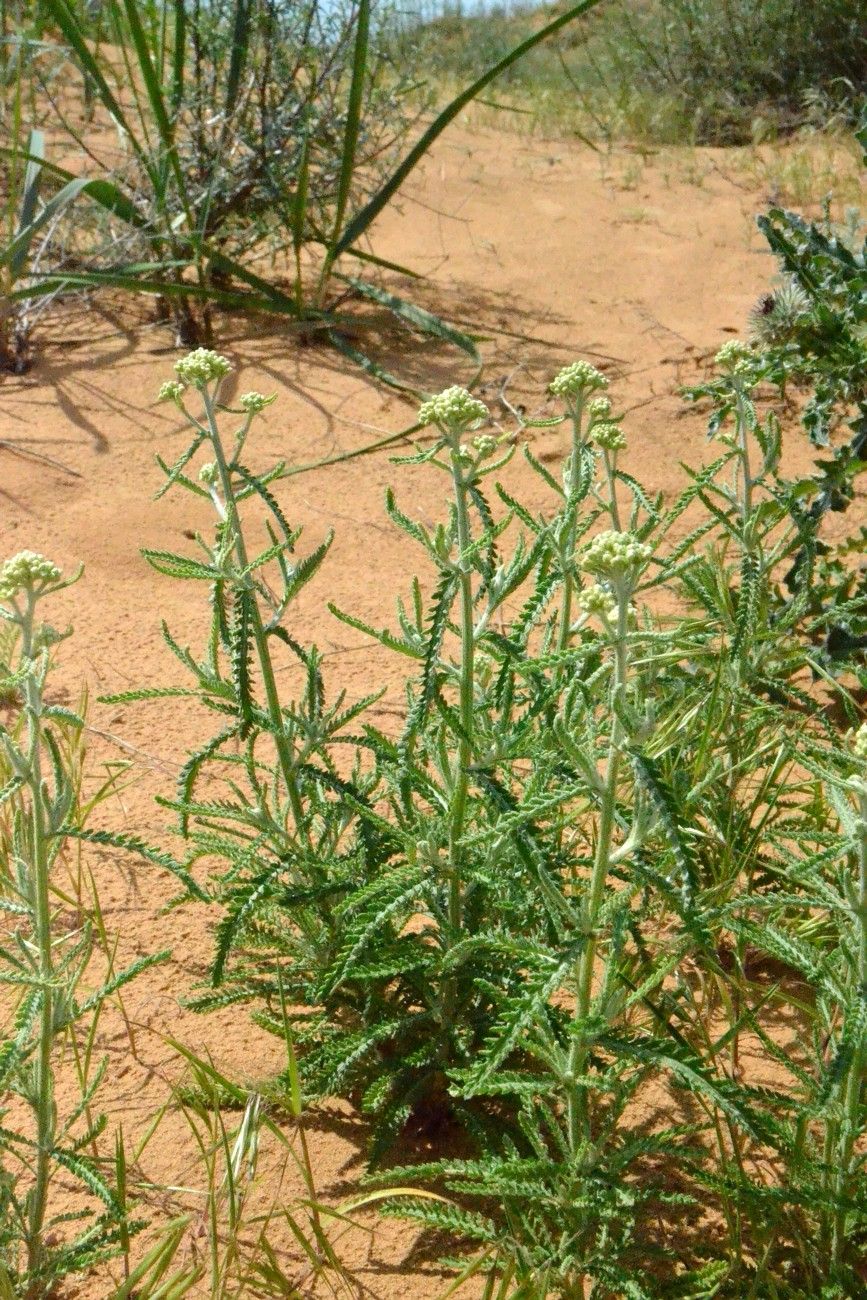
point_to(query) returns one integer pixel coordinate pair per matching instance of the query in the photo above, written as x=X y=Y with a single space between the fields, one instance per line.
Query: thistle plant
x=45 y=963
x=809 y=331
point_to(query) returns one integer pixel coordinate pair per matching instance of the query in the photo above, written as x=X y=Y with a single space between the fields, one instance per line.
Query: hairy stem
x=457 y=818
x=613 y=508
x=39 y=867
x=568 y=547
x=275 y=711
x=747 y=482
x=578 y=1117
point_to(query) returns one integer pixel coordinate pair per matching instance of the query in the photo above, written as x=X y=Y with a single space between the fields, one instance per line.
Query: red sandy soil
x=536 y=246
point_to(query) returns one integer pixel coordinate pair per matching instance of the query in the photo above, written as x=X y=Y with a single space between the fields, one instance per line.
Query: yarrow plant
x=608 y=435
x=44 y=964
x=549 y=886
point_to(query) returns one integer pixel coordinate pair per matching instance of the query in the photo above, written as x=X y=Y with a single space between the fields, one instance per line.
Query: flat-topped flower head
x=595 y=599
x=201 y=367
x=26 y=571
x=254 y=402
x=736 y=358
x=171 y=391
x=577 y=379
x=599 y=408
x=616 y=555
x=209 y=474
x=485 y=444
x=859 y=743
x=609 y=435
x=454 y=410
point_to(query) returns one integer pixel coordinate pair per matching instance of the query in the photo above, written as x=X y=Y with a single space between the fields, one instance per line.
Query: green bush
x=673 y=71
x=547 y=905
x=724 y=65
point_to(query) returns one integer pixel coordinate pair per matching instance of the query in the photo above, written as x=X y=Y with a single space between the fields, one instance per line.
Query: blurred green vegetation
x=668 y=71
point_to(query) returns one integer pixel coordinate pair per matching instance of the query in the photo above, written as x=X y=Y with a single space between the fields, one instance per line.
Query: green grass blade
x=71 y=28
x=15 y=253
x=302 y=187
x=353 y=119
x=279 y=301
x=368 y=214
x=104 y=192
x=156 y=101
x=179 y=57
x=424 y=321
x=32 y=179
x=368 y=365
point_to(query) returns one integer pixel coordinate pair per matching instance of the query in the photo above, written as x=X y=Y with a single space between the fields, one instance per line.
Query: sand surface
x=549 y=252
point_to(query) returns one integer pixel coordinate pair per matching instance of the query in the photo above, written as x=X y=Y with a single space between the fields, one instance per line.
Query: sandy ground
x=550 y=253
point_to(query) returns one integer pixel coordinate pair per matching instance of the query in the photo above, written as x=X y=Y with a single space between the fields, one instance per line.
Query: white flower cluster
x=859 y=743
x=455 y=409
x=596 y=600
x=599 y=408
x=171 y=391
x=609 y=435
x=616 y=555
x=576 y=379
x=736 y=357
x=201 y=367
x=254 y=402
x=25 y=571
x=485 y=444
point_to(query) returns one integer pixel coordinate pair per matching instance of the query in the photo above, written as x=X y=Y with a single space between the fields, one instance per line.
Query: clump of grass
x=807 y=171
x=248 y=132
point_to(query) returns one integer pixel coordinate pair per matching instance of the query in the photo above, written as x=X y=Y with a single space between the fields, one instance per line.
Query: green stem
x=568 y=545
x=467 y=678
x=748 y=548
x=578 y=1118
x=39 y=865
x=458 y=813
x=275 y=711
x=612 y=492
x=854 y=1078
x=746 y=495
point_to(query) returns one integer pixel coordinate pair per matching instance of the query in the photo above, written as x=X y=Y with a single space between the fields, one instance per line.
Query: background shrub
x=674 y=70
